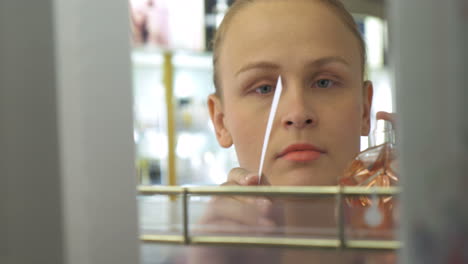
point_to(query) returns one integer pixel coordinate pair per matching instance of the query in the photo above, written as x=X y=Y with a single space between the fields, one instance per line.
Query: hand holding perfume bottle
x=375 y=167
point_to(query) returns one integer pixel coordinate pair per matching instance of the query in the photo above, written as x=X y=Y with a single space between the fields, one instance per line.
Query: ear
x=217 y=118
x=366 y=104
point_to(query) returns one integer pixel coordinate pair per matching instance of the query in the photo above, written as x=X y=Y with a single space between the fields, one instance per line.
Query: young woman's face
x=324 y=107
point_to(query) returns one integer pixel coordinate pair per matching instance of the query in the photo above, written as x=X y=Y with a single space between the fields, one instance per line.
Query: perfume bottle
x=374 y=167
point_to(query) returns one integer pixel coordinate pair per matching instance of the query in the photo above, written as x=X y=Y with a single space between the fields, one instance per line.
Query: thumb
x=263 y=180
x=241 y=176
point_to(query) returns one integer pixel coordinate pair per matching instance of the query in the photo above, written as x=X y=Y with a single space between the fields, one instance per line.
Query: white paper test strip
x=271 y=118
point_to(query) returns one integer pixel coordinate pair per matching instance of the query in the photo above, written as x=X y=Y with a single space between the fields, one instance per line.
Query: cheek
x=343 y=122
x=247 y=134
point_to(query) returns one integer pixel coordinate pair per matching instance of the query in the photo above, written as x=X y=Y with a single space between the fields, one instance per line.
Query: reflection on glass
x=294 y=217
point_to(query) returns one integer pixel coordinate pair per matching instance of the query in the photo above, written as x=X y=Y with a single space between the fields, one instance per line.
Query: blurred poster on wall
x=168 y=24
x=149 y=20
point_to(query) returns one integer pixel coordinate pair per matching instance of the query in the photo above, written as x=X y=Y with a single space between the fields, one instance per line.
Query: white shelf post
x=67 y=174
x=428 y=42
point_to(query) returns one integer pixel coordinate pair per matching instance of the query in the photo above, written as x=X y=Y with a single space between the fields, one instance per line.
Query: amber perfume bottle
x=374 y=167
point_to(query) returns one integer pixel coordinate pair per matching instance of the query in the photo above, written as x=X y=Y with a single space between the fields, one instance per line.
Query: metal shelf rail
x=310 y=191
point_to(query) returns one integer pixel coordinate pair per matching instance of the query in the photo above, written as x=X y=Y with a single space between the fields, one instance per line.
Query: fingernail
x=247 y=179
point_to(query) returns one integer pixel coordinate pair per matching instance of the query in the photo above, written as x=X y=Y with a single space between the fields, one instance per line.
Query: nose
x=298 y=112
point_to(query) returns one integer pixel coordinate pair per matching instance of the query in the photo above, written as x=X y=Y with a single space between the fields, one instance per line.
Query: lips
x=301 y=153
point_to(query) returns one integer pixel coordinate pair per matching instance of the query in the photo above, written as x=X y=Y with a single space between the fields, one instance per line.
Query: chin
x=304 y=178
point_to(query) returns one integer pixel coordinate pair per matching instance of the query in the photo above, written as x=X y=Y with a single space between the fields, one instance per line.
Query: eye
x=324 y=83
x=264 y=89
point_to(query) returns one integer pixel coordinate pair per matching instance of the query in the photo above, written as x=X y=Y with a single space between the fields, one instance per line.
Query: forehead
x=274 y=29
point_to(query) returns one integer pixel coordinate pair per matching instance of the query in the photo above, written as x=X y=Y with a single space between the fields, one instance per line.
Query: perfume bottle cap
x=382 y=133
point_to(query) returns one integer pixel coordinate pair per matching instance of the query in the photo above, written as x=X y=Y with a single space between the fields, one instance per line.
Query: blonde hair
x=238 y=5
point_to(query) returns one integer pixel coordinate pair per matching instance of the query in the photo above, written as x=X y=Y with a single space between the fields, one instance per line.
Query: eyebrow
x=272 y=66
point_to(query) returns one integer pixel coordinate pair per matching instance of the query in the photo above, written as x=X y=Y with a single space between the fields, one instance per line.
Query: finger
x=253 y=212
x=227 y=226
x=264 y=180
x=276 y=212
x=387 y=116
x=241 y=176
x=249 y=180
